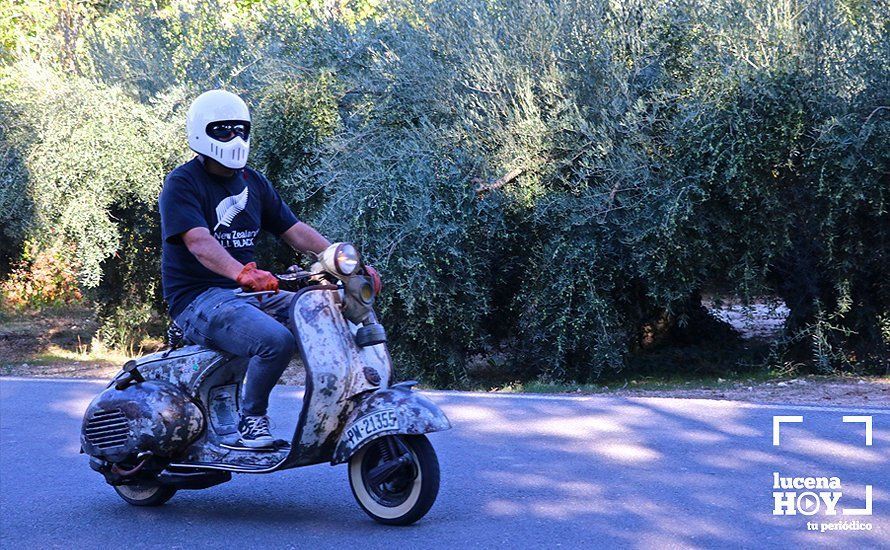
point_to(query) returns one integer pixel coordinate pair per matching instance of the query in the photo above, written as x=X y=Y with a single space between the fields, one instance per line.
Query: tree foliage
x=543 y=181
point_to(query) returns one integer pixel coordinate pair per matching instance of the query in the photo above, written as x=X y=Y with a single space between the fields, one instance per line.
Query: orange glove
x=252 y=279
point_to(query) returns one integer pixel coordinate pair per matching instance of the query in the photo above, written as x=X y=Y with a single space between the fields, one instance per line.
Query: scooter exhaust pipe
x=193 y=480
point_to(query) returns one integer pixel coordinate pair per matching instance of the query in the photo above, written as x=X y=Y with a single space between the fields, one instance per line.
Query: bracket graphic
x=847 y=419
x=864 y=420
x=779 y=420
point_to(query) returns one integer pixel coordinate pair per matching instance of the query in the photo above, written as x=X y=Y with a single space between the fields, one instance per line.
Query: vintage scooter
x=168 y=421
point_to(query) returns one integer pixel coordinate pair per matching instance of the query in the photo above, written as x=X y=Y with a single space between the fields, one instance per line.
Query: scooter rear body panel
x=184 y=367
x=151 y=417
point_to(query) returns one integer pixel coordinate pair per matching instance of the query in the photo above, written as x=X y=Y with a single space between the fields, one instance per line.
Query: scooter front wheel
x=395 y=479
x=145 y=494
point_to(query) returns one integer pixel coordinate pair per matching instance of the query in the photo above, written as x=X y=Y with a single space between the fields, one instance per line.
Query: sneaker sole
x=258 y=443
x=239 y=446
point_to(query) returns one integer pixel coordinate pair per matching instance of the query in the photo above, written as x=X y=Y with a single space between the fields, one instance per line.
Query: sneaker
x=255 y=431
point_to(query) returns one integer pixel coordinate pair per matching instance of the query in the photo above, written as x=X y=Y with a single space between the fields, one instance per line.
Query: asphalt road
x=517 y=471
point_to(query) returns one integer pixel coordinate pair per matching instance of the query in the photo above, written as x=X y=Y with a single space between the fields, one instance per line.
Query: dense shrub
x=15 y=202
x=549 y=183
x=95 y=164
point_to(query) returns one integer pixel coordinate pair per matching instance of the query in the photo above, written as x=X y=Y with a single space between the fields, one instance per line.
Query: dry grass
x=804 y=390
x=56 y=342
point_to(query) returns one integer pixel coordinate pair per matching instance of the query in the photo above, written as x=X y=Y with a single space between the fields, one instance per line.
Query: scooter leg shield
x=395 y=410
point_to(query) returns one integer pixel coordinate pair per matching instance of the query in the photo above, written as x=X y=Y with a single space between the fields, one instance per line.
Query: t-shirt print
x=226 y=211
x=230 y=207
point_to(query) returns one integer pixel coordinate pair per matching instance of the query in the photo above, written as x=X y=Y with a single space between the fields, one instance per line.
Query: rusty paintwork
x=416 y=415
x=218 y=388
x=181 y=367
x=335 y=372
x=151 y=416
x=328 y=352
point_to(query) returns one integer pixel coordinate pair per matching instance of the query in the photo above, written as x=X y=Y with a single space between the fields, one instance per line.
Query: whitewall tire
x=410 y=494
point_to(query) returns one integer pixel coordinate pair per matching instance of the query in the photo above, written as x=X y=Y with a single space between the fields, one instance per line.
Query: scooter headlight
x=340 y=259
x=345 y=259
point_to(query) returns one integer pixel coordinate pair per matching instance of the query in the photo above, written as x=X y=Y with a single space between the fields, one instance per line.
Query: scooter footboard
x=395 y=410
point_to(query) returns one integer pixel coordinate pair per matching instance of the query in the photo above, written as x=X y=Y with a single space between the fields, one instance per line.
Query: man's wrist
x=237 y=268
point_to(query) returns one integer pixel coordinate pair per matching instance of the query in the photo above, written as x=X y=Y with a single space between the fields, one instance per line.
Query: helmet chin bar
x=231 y=154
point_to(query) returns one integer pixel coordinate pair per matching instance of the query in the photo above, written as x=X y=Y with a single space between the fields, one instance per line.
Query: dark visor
x=226 y=130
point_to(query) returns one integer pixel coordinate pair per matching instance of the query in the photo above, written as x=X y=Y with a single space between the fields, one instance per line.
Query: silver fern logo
x=230 y=207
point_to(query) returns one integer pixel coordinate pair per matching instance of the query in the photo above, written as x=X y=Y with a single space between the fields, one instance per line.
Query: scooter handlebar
x=292 y=280
x=240 y=293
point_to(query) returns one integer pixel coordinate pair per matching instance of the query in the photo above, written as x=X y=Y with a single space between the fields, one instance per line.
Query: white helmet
x=218 y=126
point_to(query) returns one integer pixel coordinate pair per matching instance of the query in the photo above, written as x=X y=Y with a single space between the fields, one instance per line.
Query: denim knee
x=277 y=343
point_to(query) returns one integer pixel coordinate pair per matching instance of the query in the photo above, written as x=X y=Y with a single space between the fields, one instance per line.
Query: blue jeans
x=246 y=327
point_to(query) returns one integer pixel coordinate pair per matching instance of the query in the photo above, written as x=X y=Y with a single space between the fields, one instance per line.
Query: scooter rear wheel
x=407 y=496
x=145 y=494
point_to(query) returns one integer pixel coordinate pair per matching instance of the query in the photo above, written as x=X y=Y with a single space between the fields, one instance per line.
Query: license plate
x=373 y=423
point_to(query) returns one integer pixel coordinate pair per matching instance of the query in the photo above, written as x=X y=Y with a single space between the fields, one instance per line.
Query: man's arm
x=303 y=238
x=210 y=253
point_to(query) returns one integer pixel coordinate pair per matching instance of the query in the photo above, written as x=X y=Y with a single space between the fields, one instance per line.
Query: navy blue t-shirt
x=233 y=209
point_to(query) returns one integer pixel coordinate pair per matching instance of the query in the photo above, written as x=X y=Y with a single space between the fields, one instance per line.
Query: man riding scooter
x=212 y=209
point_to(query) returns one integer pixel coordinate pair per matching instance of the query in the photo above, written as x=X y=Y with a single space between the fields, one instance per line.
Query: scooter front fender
x=394 y=410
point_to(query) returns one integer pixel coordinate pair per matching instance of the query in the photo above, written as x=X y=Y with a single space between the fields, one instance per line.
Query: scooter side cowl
x=395 y=410
x=150 y=416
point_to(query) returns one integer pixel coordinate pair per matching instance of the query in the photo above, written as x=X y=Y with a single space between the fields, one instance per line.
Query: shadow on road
x=663 y=472
x=516 y=471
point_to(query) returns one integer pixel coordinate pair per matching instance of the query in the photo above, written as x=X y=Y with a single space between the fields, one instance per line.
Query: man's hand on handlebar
x=376 y=281
x=257 y=282
x=252 y=279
